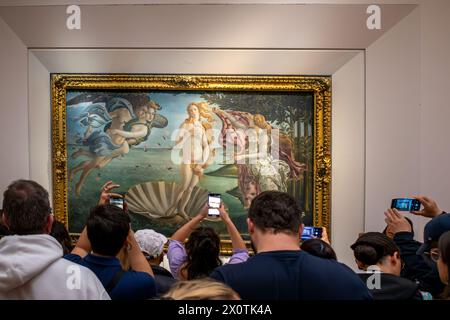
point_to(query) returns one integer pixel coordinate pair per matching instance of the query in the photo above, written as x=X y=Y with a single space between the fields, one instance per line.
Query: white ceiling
x=279 y=62
x=202 y=26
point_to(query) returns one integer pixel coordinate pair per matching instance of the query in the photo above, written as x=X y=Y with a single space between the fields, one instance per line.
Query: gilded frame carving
x=319 y=86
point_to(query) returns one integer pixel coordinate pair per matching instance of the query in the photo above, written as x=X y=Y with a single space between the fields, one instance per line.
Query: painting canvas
x=168 y=148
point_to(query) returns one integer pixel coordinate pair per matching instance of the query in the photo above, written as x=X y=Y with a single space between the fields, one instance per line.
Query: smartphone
x=214 y=200
x=311 y=233
x=405 y=204
x=116 y=201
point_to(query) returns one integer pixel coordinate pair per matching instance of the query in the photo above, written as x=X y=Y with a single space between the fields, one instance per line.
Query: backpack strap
x=115 y=280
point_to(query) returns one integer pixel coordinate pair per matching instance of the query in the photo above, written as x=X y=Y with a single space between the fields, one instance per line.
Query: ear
x=361 y=266
x=250 y=226
x=396 y=258
x=49 y=224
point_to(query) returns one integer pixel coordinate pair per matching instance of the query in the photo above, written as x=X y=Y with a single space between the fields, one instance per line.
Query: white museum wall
x=348 y=115
x=14 y=116
x=434 y=156
x=40 y=122
x=392 y=120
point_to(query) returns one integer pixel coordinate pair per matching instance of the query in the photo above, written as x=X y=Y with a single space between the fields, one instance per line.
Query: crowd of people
x=111 y=261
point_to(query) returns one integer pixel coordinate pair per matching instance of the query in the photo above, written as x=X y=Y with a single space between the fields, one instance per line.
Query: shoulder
x=69 y=268
x=184 y=125
x=140 y=285
x=74 y=258
x=232 y=268
x=64 y=274
x=139 y=277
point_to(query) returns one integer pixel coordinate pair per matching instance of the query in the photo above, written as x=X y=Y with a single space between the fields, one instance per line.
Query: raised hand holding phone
x=224 y=213
x=430 y=207
x=105 y=194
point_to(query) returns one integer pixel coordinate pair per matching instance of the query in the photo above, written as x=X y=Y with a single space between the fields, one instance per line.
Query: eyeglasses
x=434 y=254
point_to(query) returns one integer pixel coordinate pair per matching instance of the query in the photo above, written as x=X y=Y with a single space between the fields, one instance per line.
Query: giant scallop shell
x=154 y=198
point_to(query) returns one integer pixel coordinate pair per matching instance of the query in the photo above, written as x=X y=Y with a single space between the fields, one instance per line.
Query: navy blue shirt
x=288 y=275
x=133 y=285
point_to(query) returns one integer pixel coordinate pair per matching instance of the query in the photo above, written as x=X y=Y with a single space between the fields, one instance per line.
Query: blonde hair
x=260 y=122
x=285 y=141
x=201 y=289
x=204 y=112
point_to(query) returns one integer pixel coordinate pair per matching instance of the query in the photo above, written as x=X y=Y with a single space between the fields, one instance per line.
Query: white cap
x=150 y=242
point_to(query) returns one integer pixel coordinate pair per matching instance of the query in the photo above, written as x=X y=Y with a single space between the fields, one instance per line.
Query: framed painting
x=170 y=140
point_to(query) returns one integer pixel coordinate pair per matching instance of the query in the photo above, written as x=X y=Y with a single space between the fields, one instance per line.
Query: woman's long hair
x=204 y=112
x=203 y=249
x=60 y=233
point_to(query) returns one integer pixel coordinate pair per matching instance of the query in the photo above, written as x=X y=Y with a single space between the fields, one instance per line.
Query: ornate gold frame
x=320 y=86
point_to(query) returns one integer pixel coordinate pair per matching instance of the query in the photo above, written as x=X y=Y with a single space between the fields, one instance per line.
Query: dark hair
x=203 y=249
x=26 y=207
x=277 y=211
x=444 y=249
x=107 y=229
x=60 y=233
x=319 y=248
x=407 y=219
x=138 y=100
x=372 y=247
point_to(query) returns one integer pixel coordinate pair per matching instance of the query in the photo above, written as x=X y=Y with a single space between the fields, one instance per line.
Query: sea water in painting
x=169 y=149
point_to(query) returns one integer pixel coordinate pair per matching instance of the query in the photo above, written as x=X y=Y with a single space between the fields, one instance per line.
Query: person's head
x=193 y=111
x=197 y=110
x=376 y=249
x=274 y=212
x=250 y=192
x=151 y=244
x=142 y=112
x=26 y=208
x=107 y=229
x=434 y=229
x=444 y=261
x=60 y=233
x=201 y=289
x=319 y=248
x=152 y=108
x=203 y=250
x=387 y=231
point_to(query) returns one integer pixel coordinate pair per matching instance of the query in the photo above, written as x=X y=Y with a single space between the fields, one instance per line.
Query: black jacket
x=416 y=268
x=393 y=287
x=163 y=279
